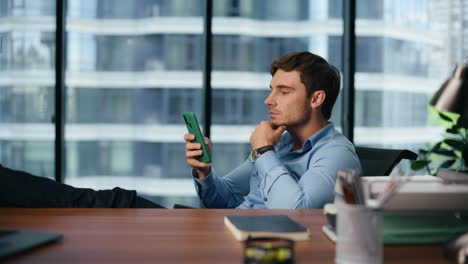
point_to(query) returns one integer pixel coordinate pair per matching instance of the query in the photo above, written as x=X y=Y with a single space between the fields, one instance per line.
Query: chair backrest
x=380 y=162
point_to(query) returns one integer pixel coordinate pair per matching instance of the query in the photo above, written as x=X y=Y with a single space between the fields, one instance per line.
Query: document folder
x=423 y=227
x=424 y=211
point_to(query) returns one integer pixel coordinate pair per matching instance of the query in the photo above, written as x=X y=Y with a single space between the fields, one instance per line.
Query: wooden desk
x=170 y=236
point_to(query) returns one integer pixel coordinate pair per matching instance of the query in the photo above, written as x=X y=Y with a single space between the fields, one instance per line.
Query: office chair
x=380 y=162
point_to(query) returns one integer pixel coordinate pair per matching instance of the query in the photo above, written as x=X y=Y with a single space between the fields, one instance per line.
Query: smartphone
x=193 y=128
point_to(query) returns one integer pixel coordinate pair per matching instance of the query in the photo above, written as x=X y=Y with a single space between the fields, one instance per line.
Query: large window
x=133 y=67
x=27 y=86
x=397 y=70
x=248 y=36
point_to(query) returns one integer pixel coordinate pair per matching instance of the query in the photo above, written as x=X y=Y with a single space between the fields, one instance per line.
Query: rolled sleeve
x=225 y=192
x=267 y=162
x=203 y=184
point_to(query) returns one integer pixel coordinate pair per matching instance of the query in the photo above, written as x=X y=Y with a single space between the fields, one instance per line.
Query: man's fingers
x=197 y=164
x=208 y=143
x=194 y=153
x=189 y=137
x=281 y=129
x=192 y=146
x=278 y=132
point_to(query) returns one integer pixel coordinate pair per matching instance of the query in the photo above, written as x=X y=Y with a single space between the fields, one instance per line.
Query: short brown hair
x=316 y=74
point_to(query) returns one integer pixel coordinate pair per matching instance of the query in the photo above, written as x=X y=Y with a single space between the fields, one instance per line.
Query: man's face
x=287 y=103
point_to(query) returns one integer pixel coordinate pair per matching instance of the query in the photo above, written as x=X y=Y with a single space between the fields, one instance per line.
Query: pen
x=351 y=186
x=391 y=189
x=357 y=184
x=348 y=194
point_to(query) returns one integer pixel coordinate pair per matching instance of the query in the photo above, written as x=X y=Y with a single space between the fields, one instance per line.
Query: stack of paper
x=420 y=193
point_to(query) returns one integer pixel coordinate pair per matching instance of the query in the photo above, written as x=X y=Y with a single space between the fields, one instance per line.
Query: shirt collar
x=285 y=142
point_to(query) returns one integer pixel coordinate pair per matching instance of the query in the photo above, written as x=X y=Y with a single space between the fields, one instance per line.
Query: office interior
x=92 y=92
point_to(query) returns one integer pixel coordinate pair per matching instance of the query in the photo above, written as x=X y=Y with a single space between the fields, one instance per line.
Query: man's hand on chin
x=266 y=133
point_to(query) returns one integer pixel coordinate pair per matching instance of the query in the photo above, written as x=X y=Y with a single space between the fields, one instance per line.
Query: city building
x=133 y=67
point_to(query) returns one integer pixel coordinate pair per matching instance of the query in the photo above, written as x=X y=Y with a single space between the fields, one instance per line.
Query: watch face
x=253 y=156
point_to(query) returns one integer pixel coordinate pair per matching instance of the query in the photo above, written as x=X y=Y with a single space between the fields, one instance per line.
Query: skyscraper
x=133 y=67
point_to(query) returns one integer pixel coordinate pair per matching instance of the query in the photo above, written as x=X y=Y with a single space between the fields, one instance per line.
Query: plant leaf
x=446 y=164
x=445 y=152
x=436 y=146
x=462 y=122
x=452 y=130
x=419 y=164
x=445 y=117
x=455 y=143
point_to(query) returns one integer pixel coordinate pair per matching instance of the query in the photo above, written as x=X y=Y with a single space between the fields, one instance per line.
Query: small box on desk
x=424 y=211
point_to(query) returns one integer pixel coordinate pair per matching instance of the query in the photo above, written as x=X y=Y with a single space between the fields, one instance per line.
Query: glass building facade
x=133 y=68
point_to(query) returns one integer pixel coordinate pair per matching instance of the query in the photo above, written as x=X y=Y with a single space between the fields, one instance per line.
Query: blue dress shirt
x=284 y=179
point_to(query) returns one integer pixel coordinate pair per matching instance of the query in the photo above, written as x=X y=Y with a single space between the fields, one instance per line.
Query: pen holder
x=359 y=231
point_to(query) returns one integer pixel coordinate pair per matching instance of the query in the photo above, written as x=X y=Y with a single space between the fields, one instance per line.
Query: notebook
x=13 y=242
x=280 y=226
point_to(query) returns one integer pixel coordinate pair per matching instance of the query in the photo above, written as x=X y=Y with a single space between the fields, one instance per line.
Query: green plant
x=451 y=152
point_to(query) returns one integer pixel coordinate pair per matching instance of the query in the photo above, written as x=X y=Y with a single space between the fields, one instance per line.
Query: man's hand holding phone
x=197 y=147
x=193 y=151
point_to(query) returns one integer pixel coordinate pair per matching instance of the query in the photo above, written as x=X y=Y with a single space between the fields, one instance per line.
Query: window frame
x=348 y=64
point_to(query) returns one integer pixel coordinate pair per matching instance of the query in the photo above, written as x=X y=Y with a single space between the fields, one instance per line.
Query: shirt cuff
x=266 y=162
x=205 y=182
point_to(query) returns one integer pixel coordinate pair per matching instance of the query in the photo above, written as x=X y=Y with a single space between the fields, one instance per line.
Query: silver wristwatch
x=259 y=151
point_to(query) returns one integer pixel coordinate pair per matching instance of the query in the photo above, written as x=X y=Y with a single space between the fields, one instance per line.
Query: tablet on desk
x=13 y=242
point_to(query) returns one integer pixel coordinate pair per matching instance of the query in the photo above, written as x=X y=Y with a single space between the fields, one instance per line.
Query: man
x=294 y=169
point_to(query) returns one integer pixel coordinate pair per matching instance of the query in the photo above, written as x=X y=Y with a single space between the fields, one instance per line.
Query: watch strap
x=259 y=151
